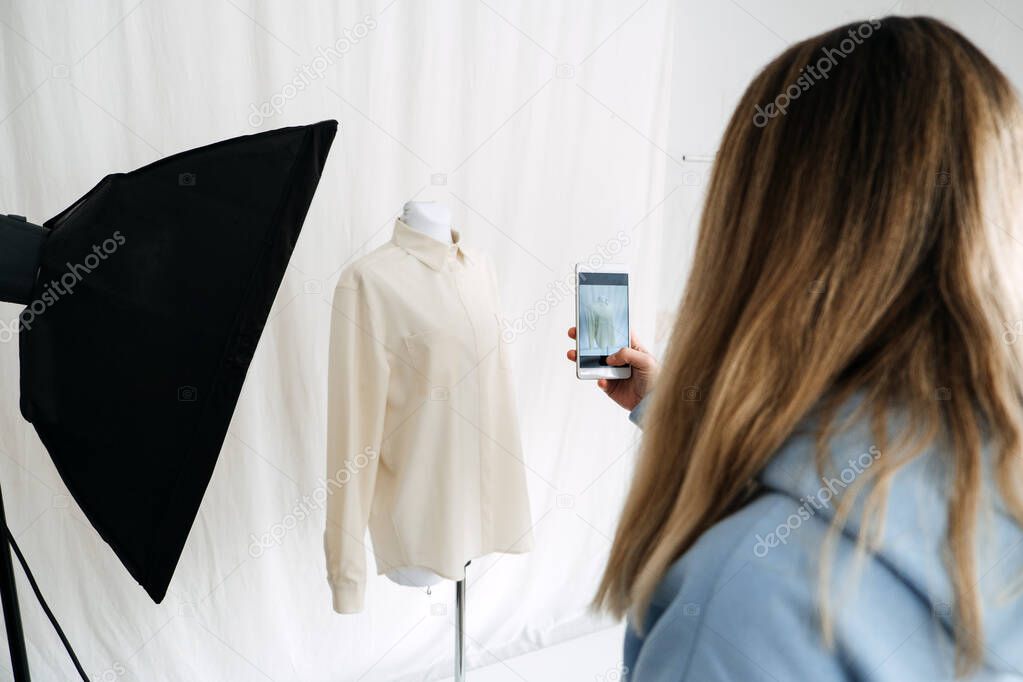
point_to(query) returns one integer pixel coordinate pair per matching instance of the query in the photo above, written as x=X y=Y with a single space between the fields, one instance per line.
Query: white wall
x=720 y=46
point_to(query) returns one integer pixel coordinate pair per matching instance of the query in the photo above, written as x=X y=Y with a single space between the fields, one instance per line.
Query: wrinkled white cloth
x=539 y=176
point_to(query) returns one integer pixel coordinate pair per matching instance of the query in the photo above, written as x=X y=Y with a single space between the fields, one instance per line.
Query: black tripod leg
x=12 y=614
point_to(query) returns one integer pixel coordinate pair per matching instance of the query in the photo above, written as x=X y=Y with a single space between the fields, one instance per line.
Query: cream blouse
x=423 y=439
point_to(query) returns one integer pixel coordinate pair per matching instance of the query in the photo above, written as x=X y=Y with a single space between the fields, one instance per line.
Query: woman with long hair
x=829 y=484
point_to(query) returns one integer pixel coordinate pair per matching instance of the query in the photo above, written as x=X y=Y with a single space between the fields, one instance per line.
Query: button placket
x=466 y=295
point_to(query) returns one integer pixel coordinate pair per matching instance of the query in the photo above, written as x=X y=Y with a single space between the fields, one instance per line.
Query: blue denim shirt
x=742 y=603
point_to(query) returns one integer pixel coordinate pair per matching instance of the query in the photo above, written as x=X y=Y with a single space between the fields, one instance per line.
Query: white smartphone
x=601 y=320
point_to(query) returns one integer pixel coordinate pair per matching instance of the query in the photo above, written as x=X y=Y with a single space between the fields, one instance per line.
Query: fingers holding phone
x=626 y=392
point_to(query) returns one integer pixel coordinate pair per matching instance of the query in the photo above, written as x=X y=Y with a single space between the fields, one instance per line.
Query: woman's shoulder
x=765 y=544
x=719 y=611
x=744 y=601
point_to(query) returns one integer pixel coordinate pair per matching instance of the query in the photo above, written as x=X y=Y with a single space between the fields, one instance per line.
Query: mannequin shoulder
x=369 y=269
x=477 y=257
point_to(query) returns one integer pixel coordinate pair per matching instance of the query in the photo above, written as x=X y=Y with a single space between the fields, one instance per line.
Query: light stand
x=19 y=260
x=12 y=614
x=19 y=263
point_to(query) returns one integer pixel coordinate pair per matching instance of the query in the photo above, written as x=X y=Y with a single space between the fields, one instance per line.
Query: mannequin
x=602 y=333
x=447 y=299
x=433 y=220
x=430 y=218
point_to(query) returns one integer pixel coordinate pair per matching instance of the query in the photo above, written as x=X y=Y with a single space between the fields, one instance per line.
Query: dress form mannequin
x=434 y=220
x=602 y=333
x=430 y=218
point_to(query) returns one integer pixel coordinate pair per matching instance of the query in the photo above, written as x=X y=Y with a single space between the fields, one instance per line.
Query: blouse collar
x=427 y=249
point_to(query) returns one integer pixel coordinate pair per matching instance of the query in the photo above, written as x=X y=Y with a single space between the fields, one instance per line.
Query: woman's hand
x=627 y=392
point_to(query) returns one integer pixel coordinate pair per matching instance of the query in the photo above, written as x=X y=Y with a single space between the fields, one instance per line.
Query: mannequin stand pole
x=460 y=631
x=460 y=625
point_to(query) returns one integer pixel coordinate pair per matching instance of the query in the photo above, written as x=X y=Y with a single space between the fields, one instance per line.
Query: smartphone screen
x=603 y=317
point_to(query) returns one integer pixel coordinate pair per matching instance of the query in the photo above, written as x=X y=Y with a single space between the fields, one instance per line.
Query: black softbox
x=148 y=301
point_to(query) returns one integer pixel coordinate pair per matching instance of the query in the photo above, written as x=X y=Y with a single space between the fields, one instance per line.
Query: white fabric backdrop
x=542 y=128
x=554 y=132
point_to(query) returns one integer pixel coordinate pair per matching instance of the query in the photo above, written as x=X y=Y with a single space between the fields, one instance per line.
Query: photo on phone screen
x=603 y=316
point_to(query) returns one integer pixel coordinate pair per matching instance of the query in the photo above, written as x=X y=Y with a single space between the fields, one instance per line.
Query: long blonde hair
x=856 y=238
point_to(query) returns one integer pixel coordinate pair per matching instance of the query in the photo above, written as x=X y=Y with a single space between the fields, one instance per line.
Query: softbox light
x=146 y=301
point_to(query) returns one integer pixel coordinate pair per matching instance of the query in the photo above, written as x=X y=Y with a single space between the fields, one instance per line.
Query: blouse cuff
x=636 y=415
x=347 y=596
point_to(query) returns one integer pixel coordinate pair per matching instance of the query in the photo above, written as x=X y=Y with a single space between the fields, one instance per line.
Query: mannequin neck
x=430 y=218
